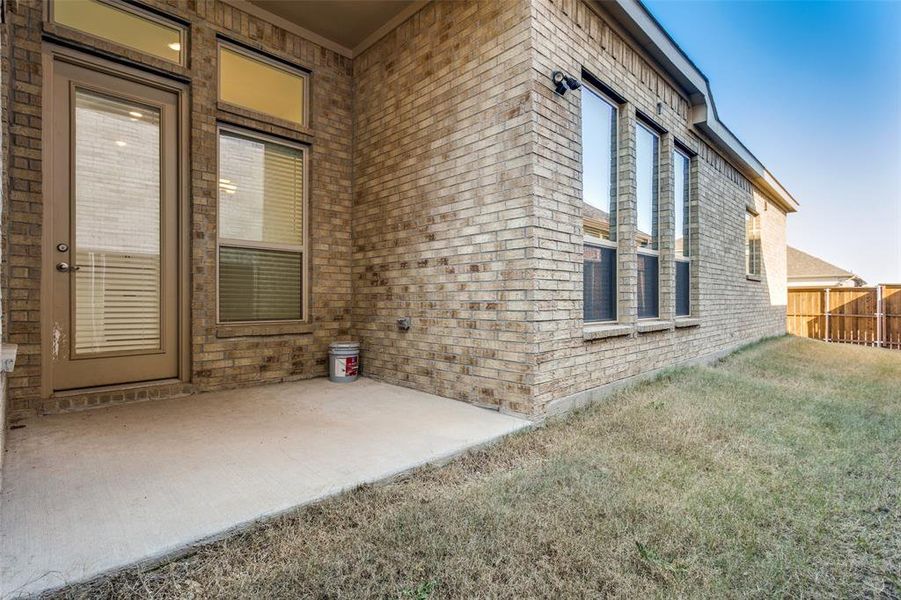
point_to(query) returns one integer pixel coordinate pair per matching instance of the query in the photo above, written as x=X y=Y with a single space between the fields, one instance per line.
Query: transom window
x=255 y=82
x=262 y=228
x=123 y=24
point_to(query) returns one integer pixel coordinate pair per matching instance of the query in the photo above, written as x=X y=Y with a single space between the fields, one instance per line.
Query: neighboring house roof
x=806 y=266
x=658 y=43
x=590 y=212
x=595 y=220
x=597 y=224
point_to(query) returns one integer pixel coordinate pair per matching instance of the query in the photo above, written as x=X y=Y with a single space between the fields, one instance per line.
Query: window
x=682 y=187
x=599 y=162
x=599 y=206
x=124 y=25
x=117 y=206
x=753 y=258
x=261 y=228
x=647 y=154
x=646 y=173
x=262 y=85
x=599 y=283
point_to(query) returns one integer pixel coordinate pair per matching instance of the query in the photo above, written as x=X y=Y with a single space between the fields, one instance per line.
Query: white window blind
x=117 y=225
x=261 y=229
x=259 y=285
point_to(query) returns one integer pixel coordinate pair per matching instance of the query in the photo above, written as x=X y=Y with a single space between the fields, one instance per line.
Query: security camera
x=572 y=82
x=564 y=82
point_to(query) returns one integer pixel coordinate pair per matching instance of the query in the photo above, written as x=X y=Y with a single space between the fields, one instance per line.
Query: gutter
x=654 y=39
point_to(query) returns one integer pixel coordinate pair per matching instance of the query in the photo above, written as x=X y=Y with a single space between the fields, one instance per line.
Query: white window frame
x=302 y=249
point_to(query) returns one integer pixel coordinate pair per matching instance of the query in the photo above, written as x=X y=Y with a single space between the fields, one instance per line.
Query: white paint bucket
x=343 y=361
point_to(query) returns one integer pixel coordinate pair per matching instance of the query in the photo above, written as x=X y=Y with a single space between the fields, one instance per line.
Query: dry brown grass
x=775 y=473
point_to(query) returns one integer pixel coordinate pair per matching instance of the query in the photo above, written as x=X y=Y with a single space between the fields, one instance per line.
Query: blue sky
x=814 y=90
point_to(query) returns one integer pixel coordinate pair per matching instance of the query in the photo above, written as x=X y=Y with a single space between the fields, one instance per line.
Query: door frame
x=50 y=54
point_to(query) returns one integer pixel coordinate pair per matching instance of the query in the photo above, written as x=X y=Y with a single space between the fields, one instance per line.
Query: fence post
x=880 y=317
x=827 y=314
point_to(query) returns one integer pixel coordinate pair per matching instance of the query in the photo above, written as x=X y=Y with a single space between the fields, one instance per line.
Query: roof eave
x=642 y=25
x=829 y=276
x=753 y=169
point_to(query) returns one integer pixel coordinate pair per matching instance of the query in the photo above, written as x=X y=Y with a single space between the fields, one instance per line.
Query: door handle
x=64 y=267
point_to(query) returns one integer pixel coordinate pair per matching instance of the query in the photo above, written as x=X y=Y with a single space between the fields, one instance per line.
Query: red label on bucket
x=346 y=367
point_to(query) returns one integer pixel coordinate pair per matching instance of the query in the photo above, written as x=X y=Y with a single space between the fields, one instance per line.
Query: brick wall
x=445 y=186
x=443 y=203
x=222 y=356
x=4 y=209
x=22 y=226
x=497 y=302
x=728 y=308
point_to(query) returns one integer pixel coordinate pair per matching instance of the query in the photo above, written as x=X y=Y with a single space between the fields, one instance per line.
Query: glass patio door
x=114 y=230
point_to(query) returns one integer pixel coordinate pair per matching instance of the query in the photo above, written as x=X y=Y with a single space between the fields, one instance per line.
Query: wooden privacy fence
x=870 y=316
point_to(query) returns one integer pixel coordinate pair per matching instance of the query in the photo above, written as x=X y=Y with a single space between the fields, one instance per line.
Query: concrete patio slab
x=89 y=492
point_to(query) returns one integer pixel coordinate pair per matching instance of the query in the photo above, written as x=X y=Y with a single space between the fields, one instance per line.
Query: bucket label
x=346 y=366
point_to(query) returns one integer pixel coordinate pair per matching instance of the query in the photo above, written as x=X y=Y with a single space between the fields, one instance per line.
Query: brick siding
x=443 y=203
x=4 y=238
x=222 y=356
x=445 y=186
x=730 y=308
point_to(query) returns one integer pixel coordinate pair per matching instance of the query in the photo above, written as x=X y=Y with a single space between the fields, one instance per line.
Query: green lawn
x=775 y=473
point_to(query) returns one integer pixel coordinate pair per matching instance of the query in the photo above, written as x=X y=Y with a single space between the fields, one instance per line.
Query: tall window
x=753 y=257
x=261 y=228
x=646 y=173
x=681 y=183
x=599 y=208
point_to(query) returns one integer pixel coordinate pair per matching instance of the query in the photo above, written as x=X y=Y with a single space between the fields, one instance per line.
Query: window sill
x=653 y=325
x=600 y=331
x=757 y=278
x=262 y=329
x=687 y=322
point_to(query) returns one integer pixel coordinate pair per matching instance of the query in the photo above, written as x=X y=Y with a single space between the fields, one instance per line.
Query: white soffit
x=347 y=27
